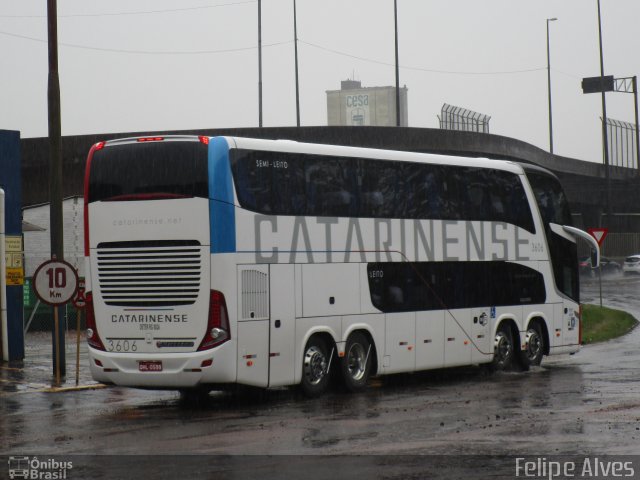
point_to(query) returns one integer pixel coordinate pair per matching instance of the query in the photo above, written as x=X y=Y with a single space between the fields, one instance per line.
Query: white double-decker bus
x=216 y=261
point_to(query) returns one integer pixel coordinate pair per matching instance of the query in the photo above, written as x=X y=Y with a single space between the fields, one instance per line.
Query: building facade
x=37 y=244
x=354 y=105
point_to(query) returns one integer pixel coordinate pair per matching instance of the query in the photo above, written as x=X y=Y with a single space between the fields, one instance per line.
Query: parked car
x=607 y=265
x=631 y=264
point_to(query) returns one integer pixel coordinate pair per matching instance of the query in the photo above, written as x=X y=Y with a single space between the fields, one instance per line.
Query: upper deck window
x=149 y=170
x=280 y=183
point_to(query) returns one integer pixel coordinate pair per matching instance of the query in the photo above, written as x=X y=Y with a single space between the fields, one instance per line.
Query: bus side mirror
x=594 y=259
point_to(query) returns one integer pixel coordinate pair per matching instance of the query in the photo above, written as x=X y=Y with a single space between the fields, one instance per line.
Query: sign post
x=599 y=234
x=55 y=283
x=79 y=301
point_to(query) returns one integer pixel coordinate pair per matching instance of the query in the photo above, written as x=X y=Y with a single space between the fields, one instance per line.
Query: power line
x=421 y=69
x=140 y=12
x=241 y=49
x=146 y=52
x=567 y=74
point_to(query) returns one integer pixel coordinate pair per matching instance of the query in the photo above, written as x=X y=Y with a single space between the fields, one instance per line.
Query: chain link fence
x=458 y=118
x=622 y=143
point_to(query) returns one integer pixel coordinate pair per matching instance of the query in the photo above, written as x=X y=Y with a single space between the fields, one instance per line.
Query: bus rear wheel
x=315 y=368
x=356 y=363
x=503 y=348
x=534 y=345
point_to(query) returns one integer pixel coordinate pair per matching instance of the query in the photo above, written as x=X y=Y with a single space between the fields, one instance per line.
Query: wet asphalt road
x=585 y=404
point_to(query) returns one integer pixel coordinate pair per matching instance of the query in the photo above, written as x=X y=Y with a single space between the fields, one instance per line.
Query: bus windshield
x=554 y=208
x=144 y=171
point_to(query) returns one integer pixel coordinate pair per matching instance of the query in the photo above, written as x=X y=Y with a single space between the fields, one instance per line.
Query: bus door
x=282 y=325
x=266 y=325
x=253 y=325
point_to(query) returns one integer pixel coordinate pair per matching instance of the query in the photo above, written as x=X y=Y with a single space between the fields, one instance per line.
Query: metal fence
x=39 y=317
x=616 y=245
x=458 y=118
x=622 y=143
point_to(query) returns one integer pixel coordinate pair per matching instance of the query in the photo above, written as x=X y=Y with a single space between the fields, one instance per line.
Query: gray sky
x=144 y=65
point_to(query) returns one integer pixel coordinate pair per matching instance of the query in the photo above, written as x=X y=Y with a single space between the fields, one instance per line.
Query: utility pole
x=260 y=63
x=395 y=19
x=55 y=170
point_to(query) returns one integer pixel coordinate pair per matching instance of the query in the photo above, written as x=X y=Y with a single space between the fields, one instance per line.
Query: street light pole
x=395 y=18
x=549 y=87
x=605 y=139
x=295 y=43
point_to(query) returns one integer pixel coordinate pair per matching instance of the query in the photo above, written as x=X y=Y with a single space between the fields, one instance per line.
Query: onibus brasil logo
x=35 y=468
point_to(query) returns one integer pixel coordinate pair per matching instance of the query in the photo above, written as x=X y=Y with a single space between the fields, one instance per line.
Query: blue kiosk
x=11 y=183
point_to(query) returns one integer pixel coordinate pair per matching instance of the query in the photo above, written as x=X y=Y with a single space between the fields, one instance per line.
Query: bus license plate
x=150 y=366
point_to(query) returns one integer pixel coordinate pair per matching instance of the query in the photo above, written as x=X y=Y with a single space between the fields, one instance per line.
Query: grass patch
x=601 y=323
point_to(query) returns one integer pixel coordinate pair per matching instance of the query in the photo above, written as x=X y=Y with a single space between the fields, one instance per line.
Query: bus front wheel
x=356 y=363
x=315 y=368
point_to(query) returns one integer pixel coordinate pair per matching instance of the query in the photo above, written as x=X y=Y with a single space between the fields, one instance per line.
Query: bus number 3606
x=122 y=346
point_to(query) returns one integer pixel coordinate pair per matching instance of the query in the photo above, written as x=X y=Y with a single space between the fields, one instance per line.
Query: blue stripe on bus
x=222 y=216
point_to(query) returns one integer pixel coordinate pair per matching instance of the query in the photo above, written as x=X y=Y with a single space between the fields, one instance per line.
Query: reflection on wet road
x=588 y=403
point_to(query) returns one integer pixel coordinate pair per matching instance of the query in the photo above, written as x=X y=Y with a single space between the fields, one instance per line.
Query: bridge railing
x=616 y=246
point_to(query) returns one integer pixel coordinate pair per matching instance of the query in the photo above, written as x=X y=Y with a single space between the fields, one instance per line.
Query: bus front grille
x=149 y=273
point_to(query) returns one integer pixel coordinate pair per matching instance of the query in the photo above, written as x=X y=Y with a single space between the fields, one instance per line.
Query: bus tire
x=315 y=368
x=534 y=345
x=503 y=348
x=356 y=363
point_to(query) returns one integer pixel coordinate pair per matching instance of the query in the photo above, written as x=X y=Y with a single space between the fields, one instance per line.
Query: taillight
x=93 y=339
x=218 y=324
x=87 y=170
x=204 y=140
x=150 y=139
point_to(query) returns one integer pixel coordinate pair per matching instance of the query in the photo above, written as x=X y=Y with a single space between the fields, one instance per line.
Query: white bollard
x=3 y=283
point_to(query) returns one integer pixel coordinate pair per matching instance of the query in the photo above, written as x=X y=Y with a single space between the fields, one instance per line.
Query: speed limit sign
x=55 y=282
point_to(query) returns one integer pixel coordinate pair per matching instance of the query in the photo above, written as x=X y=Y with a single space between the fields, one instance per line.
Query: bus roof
x=376 y=154
x=293 y=146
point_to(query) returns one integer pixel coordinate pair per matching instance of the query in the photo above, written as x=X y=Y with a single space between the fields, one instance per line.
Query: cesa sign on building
x=357 y=109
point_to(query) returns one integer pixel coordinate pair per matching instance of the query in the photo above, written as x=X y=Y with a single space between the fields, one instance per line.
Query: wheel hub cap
x=315 y=365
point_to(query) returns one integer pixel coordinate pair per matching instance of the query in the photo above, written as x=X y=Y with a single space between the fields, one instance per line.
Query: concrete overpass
x=584 y=182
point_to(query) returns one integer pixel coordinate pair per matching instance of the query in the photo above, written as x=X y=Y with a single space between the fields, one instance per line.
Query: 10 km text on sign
x=55 y=282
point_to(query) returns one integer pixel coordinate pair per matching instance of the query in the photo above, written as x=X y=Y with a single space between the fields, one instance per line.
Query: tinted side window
x=383 y=189
x=317 y=185
x=269 y=183
x=552 y=202
x=399 y=287
x=331 y=186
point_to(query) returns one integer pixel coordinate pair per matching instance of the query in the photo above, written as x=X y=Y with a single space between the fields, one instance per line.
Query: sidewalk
x=35 y=373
